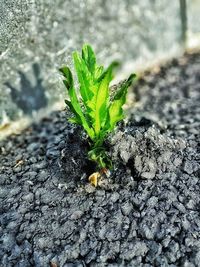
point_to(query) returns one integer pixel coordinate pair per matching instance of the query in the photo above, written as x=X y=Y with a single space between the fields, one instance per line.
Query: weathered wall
x=37 y=36
x=193 y=10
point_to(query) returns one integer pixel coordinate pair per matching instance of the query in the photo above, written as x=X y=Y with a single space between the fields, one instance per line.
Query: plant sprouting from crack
x=94 y=110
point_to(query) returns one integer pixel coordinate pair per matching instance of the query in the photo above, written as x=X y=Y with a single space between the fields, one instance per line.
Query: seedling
x=94 y=109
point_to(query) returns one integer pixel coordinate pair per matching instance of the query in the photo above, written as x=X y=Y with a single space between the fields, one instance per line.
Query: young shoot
x=94 y=109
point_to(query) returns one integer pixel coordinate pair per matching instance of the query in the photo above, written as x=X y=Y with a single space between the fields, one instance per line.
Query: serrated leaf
x=74 y=104
x=115 y=109
x=68 y=77
x=89 y=57
x=98 y=72
x=84 y=78
x=99 y=103
x=75 y=119
x=112 y=66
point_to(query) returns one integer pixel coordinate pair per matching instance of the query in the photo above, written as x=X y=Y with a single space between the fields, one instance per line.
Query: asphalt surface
x=146 y=213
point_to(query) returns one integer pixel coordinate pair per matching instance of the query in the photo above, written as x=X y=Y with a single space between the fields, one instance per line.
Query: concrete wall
x=193 y=33
x=37 y=36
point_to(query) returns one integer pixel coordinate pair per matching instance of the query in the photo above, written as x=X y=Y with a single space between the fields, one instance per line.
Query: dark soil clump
x=146 y=213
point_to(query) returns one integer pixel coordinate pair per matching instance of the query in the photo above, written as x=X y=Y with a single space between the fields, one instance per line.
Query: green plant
x=96 y=112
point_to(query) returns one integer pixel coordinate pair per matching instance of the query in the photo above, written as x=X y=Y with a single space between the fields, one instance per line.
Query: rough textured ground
x=147 y=213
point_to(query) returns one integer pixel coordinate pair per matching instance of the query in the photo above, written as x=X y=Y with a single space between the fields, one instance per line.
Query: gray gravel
x=145 y=214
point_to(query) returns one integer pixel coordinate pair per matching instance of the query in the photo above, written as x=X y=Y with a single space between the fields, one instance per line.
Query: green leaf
x=111 y=67
x=75 y=119
x=74 y=104
x=115 y=109
x=98 y=72
x=89 y=58
x=68 y=75
x=84 y=78
x=99 y=103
